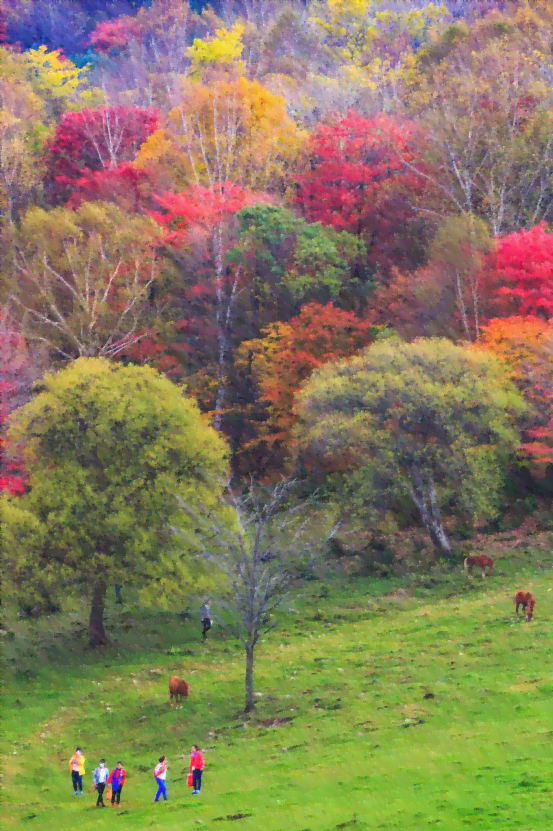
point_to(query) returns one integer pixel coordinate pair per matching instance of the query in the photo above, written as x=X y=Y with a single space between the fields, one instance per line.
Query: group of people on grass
x=102 y=777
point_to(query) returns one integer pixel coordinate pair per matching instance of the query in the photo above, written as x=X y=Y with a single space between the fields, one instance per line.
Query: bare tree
x=263 y=550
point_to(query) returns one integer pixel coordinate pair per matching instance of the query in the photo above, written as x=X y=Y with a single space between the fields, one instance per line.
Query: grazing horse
x=527 y=601
x=178 y=689
x=481 y=560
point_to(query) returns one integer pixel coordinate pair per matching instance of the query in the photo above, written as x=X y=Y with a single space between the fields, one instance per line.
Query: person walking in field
x=196 y=768
x=99 y=780
x=206 y=619
x=76 y=766
x=117 y=779
x=160 y=773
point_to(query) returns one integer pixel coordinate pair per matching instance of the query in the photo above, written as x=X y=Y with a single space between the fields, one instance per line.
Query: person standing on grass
x=160 y=772
x=117 y=779
x=206 y=619
x=76 y=766
x=99 y=779
x=196 y=768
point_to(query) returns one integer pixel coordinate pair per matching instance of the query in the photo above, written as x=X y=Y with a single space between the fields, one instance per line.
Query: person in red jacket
x=196 y=768
x=117 y=779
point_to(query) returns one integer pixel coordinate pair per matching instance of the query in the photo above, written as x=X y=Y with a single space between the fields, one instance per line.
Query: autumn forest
x=327 y=223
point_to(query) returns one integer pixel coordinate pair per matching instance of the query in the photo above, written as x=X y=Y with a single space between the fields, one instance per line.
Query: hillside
x=415 y=706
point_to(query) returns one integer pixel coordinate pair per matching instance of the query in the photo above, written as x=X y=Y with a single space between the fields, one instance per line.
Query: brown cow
x=527 y=601
x=481 y=560
x=178 y=689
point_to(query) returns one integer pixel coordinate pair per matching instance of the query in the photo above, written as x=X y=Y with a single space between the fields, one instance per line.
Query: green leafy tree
x=281 y=252
x=110 y=450
x=429 y=420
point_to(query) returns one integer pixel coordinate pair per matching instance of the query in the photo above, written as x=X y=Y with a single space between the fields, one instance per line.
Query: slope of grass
x=415 y=706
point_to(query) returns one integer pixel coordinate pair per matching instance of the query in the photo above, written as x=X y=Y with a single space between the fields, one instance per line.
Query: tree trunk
x=250 y=700
x=97 y=632
x=439 y=538
x=222 y=339
x=430 y=516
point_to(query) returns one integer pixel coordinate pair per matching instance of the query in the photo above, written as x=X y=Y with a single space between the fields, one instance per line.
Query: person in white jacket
x=99 y=779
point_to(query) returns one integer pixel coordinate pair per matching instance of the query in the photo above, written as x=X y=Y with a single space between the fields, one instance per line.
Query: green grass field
x=420 y=704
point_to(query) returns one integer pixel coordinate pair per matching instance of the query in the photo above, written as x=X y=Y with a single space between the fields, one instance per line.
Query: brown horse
x=178 y=689
x=527 y=601
x=481 y=560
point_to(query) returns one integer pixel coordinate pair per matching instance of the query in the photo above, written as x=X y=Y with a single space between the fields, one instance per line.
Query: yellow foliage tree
x=222 y=51
x=54 y=77
x=230 y=131
x=353 y=28
x=482 y=97
x=22 y=131
x=367 y=49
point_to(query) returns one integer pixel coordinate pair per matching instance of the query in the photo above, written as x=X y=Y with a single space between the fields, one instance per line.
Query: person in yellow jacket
x=76 y=766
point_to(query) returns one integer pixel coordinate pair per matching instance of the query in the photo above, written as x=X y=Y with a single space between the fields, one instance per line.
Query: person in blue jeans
x=160 y=772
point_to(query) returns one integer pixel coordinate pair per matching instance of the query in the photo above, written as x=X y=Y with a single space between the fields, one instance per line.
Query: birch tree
x=483 y=97
x=83 y=279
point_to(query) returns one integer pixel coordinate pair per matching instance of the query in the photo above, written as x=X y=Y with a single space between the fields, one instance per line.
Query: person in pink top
x=160 y=772
x=196 y=768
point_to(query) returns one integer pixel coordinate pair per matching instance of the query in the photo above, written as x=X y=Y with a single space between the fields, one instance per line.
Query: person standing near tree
x=160 y=773
x=196 y=768
x=117 y=780
x=76 y=766
x=99 y=779
x=206 y=619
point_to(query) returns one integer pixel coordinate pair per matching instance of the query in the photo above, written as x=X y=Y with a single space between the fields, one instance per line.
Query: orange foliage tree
x=284 y=358
x=525 y=344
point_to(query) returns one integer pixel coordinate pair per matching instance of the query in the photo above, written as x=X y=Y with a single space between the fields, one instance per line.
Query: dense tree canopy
x=283 y=359
x=240 y=193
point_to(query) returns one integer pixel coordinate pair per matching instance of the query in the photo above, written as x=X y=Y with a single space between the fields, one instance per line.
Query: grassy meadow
x=415 y=704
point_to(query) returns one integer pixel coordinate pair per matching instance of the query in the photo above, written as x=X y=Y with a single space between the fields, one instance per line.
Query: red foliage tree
x=358 y=180
x=522 y=271
x=201 y=207
x=132 y=188
x=93 y=140
x=164 y=23
x=115 y=34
